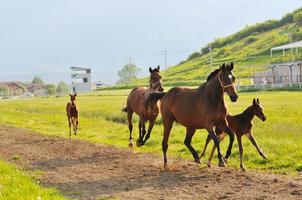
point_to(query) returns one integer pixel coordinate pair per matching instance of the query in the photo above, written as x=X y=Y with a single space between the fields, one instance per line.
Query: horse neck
x=213 y=90
x=248 y=114
x=72 y=102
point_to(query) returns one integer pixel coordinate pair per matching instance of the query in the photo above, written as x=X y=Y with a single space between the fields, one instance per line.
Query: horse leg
x=188 y=140
x=220 y=137
x=216 y=142
x=73 y=125
x=167 y=129
x=141 y=128
x=205 y=146
x=150 y=127
x=76 y=125
x=232 y=137
x=130 y=126
x=69 y=124
x=240 y=153
x=251 y=138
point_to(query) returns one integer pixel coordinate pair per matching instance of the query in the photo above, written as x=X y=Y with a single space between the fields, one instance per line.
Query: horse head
x=258 y=109
x=227 y=80
x=155 y=79
x=73 y=97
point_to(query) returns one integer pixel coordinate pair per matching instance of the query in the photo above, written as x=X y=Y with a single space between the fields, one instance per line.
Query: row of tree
x=60 y=89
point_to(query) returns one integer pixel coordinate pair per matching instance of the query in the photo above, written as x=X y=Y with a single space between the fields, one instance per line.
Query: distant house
x=37 y=89
x=13 y=88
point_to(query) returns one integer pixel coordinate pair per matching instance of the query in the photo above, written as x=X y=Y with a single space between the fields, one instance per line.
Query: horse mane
x=213 y=74
x=155 y=70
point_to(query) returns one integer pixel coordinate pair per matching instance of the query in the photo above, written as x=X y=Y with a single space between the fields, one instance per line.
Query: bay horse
x=200 y=108
x=136 y=102
x=72 y=114
x=240 y=124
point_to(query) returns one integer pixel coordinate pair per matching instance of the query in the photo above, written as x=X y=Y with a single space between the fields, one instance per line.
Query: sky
x=47 y=37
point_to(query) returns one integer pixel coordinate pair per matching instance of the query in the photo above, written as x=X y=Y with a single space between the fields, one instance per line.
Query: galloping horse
x=136 y=102
x=240 y=124
x=72 y=114
x=201 y=108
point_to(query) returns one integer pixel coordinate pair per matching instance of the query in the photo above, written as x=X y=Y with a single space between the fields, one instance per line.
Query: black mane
x=213 y=74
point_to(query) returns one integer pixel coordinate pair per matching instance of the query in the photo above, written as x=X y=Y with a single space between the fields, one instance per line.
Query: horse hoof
x=130 y=145
x=225 y=160
x=139 y=143
x=197 y=161
x=209 y=164
x=221 y=164
x=243 y=169
x=166 y=168
x=263 y=156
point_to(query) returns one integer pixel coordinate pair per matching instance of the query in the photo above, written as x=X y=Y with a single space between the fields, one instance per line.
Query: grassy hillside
x=248 y=49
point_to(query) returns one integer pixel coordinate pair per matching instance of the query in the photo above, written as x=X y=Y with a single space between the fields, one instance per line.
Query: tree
x=62 y=88
x=3 y=90
x=298 y=18
x=128 y=73
x=37 y=80
x=51 y=89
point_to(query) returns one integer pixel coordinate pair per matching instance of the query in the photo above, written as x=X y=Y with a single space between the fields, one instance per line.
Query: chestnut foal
x=72 y=114
x=240 y=124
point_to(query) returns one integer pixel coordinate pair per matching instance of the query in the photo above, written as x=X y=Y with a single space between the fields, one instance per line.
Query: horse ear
x=70 y=95
x=254 y=101
x=150 y=69
x=75 y=94
x=158 y=67
x=231 y=66
x=258 y=101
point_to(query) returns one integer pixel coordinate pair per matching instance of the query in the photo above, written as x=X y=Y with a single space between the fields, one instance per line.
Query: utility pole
x=130 y=58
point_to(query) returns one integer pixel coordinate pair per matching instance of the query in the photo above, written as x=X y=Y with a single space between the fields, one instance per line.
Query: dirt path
x=83 y=170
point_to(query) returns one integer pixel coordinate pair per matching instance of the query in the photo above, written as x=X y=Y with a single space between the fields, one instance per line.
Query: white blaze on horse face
x=230 y=76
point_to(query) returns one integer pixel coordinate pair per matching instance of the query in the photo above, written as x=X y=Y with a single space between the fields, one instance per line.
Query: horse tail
x=124 y=109
x=154 y=97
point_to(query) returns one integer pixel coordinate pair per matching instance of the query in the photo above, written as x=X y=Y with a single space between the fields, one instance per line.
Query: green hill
x=248 y=49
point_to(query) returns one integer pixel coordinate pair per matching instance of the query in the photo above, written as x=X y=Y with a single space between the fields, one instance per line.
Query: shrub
x=194 y=55
x=298 y=18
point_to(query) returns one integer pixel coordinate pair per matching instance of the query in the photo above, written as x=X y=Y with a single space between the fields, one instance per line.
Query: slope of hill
x=248 y=49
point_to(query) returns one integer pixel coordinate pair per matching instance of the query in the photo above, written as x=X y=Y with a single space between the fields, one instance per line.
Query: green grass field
x=15 y=184
x=101 y=121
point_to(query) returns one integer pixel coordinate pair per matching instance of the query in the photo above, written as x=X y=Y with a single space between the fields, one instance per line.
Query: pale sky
x=47 y=37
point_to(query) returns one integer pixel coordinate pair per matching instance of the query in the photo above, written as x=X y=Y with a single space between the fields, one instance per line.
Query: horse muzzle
x=263 y=118
x=233 y=97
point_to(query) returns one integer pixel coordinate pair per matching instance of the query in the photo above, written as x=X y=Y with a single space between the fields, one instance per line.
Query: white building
x=80 y=79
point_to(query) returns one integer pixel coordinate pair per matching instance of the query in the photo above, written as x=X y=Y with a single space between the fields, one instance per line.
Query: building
x=80 y=79
x=285 y=67
x=12 y=88
x=37 y=89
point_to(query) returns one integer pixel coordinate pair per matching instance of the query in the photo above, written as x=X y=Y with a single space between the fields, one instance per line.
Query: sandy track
x=87 y=171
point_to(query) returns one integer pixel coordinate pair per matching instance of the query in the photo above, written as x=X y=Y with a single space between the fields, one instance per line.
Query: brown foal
x=240 y=124
x=72 y=114
x=136 y=102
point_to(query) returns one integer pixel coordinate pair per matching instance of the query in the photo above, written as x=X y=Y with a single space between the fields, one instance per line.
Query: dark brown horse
x=201 y=108
x=241 y=125
x=136 y=102
x=72 y=114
